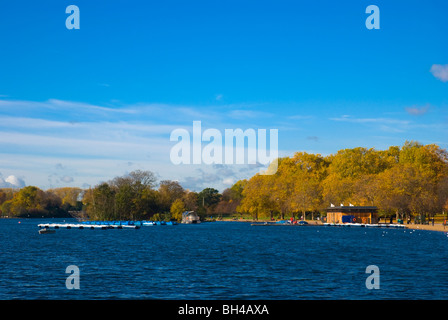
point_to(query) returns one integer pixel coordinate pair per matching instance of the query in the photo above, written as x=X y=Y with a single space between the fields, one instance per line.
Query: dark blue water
x=221 y=260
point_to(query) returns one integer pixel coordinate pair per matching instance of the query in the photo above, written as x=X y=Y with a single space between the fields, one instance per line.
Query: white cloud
x=440 y=72
x=12 y=182
x=228 y=181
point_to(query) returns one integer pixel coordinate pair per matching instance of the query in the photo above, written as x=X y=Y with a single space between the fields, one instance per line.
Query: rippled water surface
x=221 y=260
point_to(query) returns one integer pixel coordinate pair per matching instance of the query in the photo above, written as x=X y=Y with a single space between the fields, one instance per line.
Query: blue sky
x=78 y=107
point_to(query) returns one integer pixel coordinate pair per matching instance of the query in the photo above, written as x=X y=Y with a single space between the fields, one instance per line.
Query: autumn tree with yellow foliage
x=400 y=181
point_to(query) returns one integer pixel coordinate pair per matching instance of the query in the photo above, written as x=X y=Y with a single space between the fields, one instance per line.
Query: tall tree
x=169 y=191
x=258 y=200
x=208 y=197
x=103 y=203
x=190 y=199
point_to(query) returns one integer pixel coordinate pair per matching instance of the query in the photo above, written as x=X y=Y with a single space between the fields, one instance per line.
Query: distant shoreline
x=436 y=227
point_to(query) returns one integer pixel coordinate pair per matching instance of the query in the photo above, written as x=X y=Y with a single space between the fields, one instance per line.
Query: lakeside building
x=190 y=217
x=351 y=213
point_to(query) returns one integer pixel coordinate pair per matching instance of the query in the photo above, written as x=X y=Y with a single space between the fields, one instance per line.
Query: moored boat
x=46 y=230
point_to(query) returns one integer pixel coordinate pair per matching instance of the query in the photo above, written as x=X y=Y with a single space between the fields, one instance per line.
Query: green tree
x=102 y=206
x=134 y=195
x=208 y=199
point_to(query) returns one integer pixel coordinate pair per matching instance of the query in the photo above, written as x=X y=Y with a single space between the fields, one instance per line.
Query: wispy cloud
x=99 y=142
x=300 y=117
x=440 y=72
x=221 y=176
x=244 y=114
x=88 y=107
x=115 y=147
x=383 y=124
x=347 y=118
x=417 y=111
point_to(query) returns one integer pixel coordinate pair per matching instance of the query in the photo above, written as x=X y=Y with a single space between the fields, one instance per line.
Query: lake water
x=221 y=260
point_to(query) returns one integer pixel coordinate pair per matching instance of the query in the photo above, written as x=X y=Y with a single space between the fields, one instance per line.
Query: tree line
x=133 y=196
x=400 y=181
x=31 y=201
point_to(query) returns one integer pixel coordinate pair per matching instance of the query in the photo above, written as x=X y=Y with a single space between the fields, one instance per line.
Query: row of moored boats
x=131 y=223
x=49 y=227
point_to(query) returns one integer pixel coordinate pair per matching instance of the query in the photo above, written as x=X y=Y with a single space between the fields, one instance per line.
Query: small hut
x=190 y=217
x=357 y=214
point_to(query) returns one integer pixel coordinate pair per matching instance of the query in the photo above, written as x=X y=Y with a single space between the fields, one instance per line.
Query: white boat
x=46 y=230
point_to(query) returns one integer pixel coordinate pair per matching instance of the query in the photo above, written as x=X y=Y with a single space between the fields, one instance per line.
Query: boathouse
x=190 y=217
x=352 y=214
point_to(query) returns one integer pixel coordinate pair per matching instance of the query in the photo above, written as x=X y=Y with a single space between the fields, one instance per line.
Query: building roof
x=186 y=213
x=352 y=208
